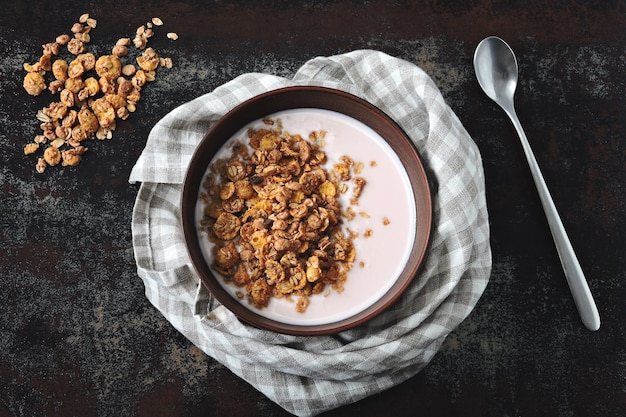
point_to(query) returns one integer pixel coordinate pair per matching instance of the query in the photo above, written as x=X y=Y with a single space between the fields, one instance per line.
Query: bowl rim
x=294 y=97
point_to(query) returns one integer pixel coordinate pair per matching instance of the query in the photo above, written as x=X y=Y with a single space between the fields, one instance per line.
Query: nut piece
x=31 y=148
x=148 y=60
x=75 y=69
x=88 y=60
x=59 y=69
x=72 y=157
x=74 y=84
x=62 y=39
x=260 y=293
x=92 y=86
x=120 y=50
x=226 y=226
x=77 y=28
x=142 y=35
x=84 y=37
x=166 y=62
x=76 y=46
x=109 y=67
x=104 y=111
x=115 y=100
x=88 y=121
x=45 y=62
x=34 y=83
x=41 y=165
x=129 y=70
x=51 y=48
x=52 y=156
x=67 y=98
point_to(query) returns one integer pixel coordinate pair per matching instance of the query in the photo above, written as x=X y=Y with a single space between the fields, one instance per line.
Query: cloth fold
x=309 y=375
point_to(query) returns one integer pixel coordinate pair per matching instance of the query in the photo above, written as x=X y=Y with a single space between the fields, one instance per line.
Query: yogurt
x=384 y=222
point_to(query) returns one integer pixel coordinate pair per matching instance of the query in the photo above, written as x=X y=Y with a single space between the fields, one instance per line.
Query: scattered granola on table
x=273 y=213
x=94 y=92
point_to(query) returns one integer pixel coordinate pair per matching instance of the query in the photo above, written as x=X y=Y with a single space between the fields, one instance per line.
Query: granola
x=94 y=92
x=272 y=211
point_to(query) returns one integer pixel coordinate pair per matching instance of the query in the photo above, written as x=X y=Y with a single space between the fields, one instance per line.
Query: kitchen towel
x=309 y=375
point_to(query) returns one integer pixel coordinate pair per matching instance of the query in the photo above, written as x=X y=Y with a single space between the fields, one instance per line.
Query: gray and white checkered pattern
x=308 y=375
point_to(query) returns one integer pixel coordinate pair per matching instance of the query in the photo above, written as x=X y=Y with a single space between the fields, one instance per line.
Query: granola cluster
x=94 y=92
x=272 y=211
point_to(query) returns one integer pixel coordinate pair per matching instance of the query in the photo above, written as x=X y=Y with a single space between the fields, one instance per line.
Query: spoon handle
x=573 y=272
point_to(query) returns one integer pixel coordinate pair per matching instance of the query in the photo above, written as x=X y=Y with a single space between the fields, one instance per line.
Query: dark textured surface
x=77 y=336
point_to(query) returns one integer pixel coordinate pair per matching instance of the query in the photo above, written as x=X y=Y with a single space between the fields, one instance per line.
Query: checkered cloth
x=309 y=375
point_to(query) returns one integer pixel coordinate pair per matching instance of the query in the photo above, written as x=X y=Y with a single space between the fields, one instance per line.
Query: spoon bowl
x=496 y=70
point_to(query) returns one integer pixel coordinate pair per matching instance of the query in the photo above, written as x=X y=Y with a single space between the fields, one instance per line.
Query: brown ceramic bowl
x=310 y=97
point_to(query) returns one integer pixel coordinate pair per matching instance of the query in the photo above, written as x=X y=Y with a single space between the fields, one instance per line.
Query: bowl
x=390 y=222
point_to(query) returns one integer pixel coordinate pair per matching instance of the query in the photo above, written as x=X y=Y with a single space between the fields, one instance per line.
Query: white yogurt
x=387 y=195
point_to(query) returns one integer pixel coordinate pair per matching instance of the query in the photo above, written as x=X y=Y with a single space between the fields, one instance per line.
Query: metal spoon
x=496 y=70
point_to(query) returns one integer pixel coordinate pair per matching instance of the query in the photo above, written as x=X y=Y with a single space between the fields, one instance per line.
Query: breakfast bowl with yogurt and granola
x=306 y=210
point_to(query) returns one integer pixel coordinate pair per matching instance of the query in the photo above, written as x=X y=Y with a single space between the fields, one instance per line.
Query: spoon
x=496 y=71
